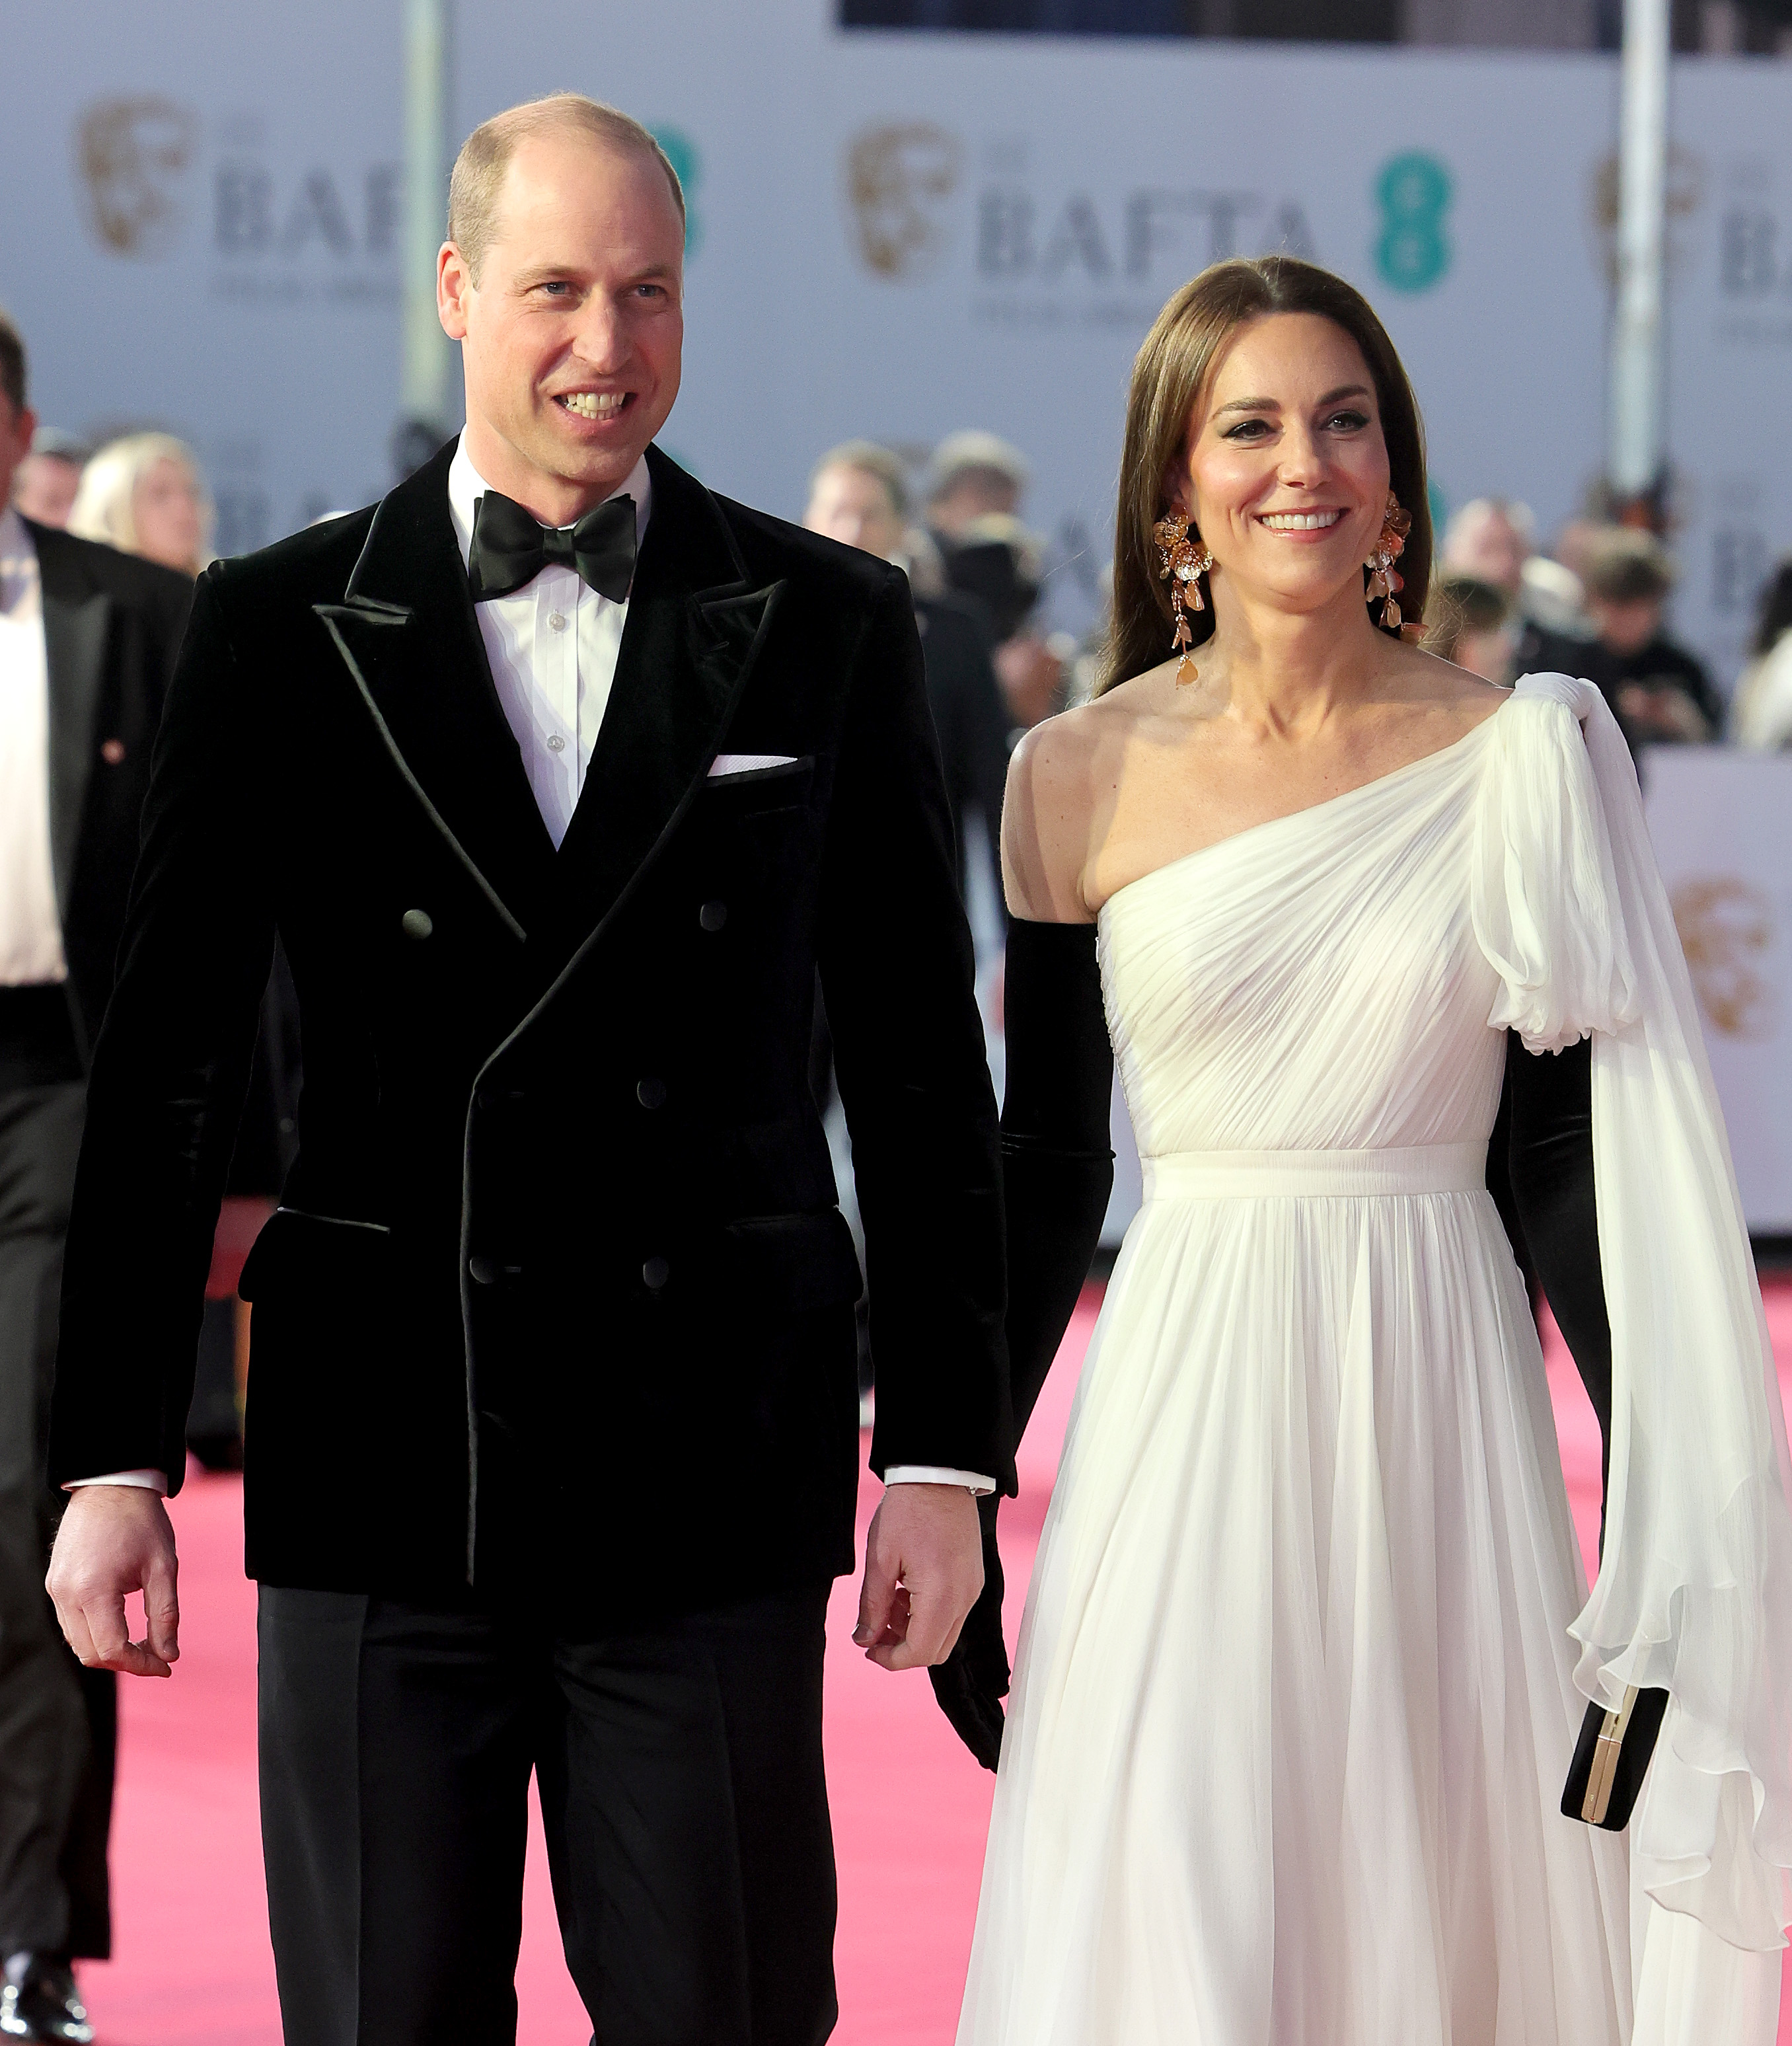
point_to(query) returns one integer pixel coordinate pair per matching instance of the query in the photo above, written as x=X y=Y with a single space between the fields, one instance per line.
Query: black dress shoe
x=39 y=2001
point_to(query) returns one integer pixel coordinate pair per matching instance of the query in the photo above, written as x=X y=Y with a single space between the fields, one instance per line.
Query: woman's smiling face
x=1286 y=478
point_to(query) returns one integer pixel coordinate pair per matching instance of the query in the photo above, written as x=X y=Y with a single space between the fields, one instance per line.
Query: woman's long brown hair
x=1168 y=377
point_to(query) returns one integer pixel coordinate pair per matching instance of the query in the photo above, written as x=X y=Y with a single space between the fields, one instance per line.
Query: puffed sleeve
x=1694 y=1594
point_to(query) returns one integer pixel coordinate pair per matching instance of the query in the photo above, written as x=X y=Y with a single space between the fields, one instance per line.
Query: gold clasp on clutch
x=1605 y=1754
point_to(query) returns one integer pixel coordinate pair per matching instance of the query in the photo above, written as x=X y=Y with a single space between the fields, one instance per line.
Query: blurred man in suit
x=858 y=494
x=87 y=639
x=45 y=482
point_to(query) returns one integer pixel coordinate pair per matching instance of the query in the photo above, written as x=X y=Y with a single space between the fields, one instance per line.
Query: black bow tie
x=511 y=547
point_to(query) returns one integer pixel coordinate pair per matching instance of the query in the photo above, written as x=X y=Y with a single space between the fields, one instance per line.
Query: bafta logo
x=1725 y=927
x=130 y=154
x=1684 y=195
x=898 y=180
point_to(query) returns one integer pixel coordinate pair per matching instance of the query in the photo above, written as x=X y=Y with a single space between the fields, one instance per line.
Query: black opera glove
x=1550 y=1160
x=973 y=1680
x=1057 y=1171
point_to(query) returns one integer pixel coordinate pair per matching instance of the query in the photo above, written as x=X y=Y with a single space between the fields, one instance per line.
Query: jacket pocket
x=759 y=790
x=798 y=1263
x=296 y=1248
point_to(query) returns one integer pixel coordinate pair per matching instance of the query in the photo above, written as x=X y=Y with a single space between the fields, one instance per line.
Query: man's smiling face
x=572 y=333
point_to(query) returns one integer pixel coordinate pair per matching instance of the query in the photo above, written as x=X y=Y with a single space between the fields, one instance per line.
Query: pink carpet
x=910 y=1807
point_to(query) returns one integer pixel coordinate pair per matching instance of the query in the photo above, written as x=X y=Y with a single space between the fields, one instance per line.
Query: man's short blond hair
x=479 y=169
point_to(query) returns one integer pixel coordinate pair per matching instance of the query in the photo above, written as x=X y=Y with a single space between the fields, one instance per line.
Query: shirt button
x=654 y=1274
x=558 y=620
x=555 y=742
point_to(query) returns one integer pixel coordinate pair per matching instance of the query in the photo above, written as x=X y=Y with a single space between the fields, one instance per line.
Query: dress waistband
x=1243 y=1175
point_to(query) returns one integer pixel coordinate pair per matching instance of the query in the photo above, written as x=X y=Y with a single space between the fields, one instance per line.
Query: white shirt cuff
x=145 y=1480
x=974 y=1481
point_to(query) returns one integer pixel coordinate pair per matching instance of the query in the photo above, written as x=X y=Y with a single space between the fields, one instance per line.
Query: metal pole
x=426 y=359
x=1635 y=451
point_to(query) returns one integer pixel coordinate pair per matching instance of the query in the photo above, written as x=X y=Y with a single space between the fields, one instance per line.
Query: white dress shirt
x=30 y=930
x=553 y=646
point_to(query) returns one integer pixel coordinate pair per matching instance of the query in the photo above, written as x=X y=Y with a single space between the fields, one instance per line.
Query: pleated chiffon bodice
x=1306 y=984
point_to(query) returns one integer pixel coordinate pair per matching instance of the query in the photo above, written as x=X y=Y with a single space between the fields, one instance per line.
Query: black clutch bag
x=1611 y=1759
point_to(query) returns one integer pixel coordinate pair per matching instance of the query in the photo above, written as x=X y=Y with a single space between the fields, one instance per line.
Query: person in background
x=1761 y=710
x=858 y=494
x=1490 y=538
x=143 y=493
x=87 y=640
x=1493 y=540
x=44 y=485
x=976 y=483
x=145 y=496
x=1474 y=628
x=972 y=475
x=1660 y=693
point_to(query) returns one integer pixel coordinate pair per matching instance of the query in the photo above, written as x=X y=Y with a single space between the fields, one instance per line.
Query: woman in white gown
x=1308 y=1641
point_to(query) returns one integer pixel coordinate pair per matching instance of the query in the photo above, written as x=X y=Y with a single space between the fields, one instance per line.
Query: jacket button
x=654 y=1274
x=651 y=1094
x=713 y=916
x=483 y=1270
x=416 y=924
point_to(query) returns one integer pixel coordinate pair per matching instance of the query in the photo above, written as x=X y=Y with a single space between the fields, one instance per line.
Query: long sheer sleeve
x=1057 y=1169
x=1694 y=1592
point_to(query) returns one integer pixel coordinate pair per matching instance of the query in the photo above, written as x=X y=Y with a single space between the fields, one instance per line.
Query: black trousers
x=57 y=1721
x=682 y=1791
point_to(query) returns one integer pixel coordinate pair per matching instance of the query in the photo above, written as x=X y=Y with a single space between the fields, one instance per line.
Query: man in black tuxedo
x=87 y=638
x=555 y=838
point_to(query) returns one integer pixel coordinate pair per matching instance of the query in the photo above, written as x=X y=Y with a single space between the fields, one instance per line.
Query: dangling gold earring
x=1184 y=562
x=1384 y=579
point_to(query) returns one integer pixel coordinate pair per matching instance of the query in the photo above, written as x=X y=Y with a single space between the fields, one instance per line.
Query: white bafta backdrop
x=899 y=233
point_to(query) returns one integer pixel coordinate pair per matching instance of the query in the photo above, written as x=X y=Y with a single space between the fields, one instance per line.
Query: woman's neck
x=1288 y=672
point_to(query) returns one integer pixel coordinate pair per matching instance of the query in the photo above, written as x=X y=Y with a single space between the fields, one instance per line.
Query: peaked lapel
x=695 y=626
x=407 y=634
x=77 y=619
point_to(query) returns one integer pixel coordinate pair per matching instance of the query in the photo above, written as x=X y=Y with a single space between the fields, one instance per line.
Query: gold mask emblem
x=130 y=154
x=898 y=179
x=1725 y=925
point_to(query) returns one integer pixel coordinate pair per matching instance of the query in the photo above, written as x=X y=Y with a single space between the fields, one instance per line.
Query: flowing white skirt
x=1293 y=1706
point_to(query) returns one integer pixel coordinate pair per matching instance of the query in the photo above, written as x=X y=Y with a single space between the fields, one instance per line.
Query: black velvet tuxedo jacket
x=112 y=624
x=558 y=1283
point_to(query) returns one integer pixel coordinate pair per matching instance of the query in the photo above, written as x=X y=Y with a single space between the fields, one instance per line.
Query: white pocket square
x=748 y=763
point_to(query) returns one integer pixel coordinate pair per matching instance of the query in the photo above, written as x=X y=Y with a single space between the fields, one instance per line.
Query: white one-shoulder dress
x=1308 y=1642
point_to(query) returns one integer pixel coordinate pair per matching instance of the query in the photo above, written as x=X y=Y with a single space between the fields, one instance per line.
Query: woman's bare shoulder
x=1455 y=699
x=1060 y=781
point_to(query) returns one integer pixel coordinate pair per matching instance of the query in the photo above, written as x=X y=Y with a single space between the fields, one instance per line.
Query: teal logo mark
x=682 y=153
x=1414 y=191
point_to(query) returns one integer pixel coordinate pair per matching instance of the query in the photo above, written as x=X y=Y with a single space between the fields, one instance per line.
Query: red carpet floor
x=910 y=1807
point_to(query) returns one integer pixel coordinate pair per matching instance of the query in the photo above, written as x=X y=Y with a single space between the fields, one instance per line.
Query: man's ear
x=454 y=285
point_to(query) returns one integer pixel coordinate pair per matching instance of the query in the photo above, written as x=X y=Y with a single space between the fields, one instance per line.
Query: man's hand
x=924 y=1568
x=116 y=1539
